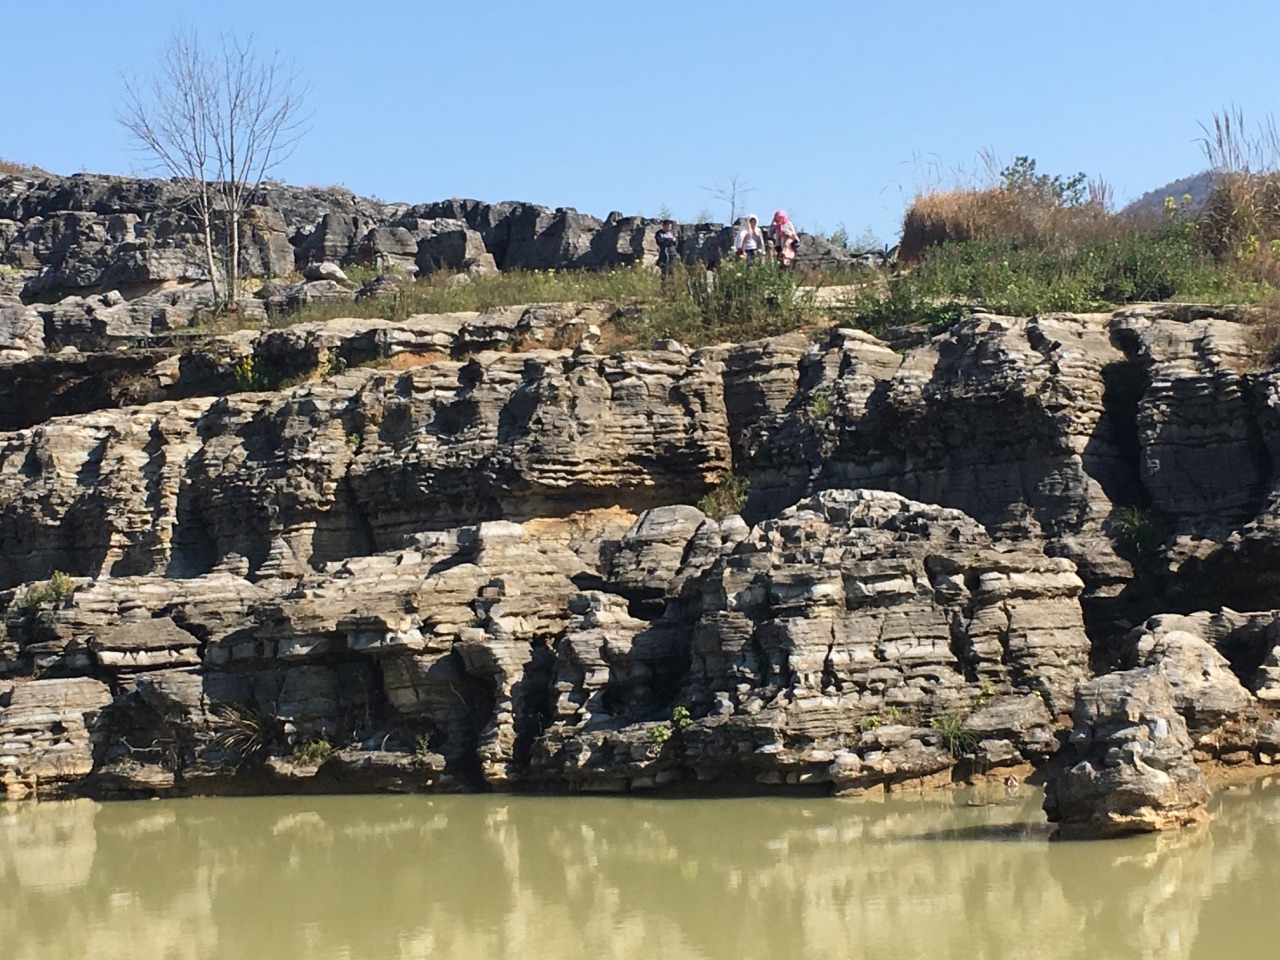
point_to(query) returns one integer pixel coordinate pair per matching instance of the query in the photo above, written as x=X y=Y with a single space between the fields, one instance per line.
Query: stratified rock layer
x=460 y=551
x=843 y=642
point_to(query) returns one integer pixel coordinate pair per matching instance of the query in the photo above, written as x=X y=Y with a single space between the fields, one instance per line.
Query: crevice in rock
x=532 y=699
x=1113 y=454
x=192 y=550
x=477 y=694
x=342 y=531
x=1245 y=649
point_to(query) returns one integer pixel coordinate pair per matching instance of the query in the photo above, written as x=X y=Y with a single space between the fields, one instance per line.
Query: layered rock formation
x=461 y=550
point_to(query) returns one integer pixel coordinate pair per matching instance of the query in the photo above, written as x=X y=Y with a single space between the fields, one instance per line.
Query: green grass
x=741 y=303
x=738 y=303
x=1023 y=279
x=435 y=295
x=955 y=737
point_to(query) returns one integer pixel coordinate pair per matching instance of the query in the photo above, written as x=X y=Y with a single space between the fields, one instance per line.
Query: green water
x=367 y=878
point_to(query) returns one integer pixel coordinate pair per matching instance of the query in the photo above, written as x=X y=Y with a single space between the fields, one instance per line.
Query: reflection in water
x=477 y=877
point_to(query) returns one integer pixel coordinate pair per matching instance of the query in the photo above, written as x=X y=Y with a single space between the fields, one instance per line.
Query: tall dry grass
x=1013 y=202
x=12 y=168
x=1241 y=218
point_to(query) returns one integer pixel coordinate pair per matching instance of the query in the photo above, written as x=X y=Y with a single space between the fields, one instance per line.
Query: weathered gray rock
x=809 y=638
x=1128 y=766
x=451 y=246
x=1206 y=691
x=478 y=646
x=324 y=271
x=45 y=735
x=21 y=333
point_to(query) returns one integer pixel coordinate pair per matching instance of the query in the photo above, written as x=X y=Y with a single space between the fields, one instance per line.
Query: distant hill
x=1152 y=202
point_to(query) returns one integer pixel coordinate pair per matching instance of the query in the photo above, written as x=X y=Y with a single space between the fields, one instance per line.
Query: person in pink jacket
x=786 y=241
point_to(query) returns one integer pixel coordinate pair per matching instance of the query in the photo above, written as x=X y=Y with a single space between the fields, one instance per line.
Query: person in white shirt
x=750 y=240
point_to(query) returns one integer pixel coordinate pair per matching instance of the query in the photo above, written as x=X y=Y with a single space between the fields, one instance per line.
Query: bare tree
x=218 y=121
x=734 y=191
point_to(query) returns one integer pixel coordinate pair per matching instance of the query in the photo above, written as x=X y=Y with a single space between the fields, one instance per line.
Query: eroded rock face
x=804 y=647
x=45 y=734
x=844 y=643
x=1127 y=767
x=356 y=463
x=459 y=548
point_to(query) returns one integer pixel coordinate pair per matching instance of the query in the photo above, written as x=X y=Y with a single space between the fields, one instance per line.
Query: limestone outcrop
x=843 y=642
x=1127 y=767
x=100 y=258
x=474 y=550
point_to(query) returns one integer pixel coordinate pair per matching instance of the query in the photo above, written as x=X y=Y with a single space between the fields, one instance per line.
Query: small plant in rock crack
x=243 y=730
x=820 y=407
x=353 y=440
x=895 y=715
x=1140 y=532
x=422 y=747
x=658 y=737
x=955 y=737
x=986 y=694
x=726 y=499
x=680 y=718
x=312 y=753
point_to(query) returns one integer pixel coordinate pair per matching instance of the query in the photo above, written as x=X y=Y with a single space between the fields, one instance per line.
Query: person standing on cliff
x=750 y=240
x=668 y=249
x=786 y=241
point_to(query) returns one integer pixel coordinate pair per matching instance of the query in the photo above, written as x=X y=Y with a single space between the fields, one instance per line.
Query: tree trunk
x=206 y=225
x=233 y=293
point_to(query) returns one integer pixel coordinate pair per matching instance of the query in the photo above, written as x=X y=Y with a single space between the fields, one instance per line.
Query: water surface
x=367 y=878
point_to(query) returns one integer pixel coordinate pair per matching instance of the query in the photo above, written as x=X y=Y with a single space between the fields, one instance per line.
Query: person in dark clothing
x=668 y=249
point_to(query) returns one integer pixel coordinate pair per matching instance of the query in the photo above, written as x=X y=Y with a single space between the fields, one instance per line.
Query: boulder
x=1127 y=767
x=327 y=270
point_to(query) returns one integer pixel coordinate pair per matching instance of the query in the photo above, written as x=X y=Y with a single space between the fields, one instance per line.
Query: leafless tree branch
x=217 y=120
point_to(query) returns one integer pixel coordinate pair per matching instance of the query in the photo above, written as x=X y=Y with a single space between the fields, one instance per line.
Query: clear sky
x=838 y=111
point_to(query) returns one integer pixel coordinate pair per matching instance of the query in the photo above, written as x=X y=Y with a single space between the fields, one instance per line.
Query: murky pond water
x=529 y=877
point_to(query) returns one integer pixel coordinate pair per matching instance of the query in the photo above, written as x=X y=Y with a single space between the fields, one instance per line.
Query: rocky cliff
x=476 y=550
x=462 y=551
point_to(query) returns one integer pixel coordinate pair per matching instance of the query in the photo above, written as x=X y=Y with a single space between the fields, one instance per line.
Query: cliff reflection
x=476 y=877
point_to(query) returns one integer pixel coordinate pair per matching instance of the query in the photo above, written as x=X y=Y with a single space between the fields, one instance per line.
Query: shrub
x=955 y=737
x=1141 y=533
x=254 y=376
x=244 y=730
x=658 y=737
x=726 y=499
x=680 y=718
x=11 y=168
x=1023 y=205
x=819 y=407
x=56 y=588
x=312 y=752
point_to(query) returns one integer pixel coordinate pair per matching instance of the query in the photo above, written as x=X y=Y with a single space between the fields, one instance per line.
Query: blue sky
x=838 y=111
